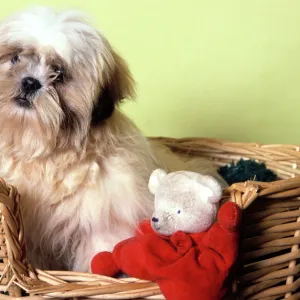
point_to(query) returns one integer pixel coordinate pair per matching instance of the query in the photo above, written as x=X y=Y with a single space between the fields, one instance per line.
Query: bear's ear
x=210 y=191
x=155 y=178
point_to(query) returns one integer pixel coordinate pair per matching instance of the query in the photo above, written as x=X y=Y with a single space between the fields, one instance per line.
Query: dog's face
x=58 y=78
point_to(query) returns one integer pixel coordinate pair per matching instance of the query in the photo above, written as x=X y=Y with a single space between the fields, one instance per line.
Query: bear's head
x=185 y=201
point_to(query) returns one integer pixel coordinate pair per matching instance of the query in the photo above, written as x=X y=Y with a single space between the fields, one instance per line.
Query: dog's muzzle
x=29 y=86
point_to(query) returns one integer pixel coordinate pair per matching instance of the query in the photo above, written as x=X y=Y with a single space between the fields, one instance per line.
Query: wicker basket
x=268 y=267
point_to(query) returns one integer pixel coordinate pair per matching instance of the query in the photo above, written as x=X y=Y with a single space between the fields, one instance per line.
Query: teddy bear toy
x=182 y=247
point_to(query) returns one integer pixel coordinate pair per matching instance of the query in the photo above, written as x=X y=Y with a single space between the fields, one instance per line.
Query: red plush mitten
x=186 y=266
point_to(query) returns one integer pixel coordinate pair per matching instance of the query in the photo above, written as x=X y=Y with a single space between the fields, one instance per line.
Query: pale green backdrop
x=223 y=69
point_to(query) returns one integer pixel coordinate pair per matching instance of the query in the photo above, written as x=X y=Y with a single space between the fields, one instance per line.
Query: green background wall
x=223 y=69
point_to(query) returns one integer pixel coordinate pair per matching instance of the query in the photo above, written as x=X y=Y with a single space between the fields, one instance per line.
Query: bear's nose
x=155 y=220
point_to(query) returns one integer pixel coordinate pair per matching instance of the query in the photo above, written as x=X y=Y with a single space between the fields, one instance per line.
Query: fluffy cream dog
x=80 y=165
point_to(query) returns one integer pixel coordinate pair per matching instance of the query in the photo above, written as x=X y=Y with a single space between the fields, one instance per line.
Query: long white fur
x=83 y=197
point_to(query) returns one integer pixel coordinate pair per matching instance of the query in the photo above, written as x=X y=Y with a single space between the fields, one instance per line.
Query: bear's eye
x=179 y=211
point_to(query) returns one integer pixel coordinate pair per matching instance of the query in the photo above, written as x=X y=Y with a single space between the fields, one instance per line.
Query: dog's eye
x=58 y=74
x=179 y=211
x=15 y=59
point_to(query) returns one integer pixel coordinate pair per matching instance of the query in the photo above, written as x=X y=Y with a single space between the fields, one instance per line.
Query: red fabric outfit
x=185 y=266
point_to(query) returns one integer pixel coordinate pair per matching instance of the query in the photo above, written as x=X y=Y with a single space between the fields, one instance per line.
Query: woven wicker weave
x=268 y=266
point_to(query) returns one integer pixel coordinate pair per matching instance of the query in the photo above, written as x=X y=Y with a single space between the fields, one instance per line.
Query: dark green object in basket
x=245 y=170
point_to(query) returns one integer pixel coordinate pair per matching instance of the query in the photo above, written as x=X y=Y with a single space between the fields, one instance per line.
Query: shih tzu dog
x=80 y=165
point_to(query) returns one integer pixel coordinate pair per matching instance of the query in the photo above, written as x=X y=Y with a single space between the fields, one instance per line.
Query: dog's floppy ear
x=118 y=85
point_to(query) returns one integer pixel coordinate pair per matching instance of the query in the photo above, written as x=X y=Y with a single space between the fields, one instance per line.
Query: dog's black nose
x=155 y=220
x=30 y=84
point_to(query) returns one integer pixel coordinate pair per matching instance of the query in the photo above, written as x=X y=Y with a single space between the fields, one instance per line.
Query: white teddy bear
x=185 y=201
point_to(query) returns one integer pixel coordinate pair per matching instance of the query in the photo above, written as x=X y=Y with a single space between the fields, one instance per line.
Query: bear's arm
x=218 y=250
x=220 y=243
x=144 y=228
